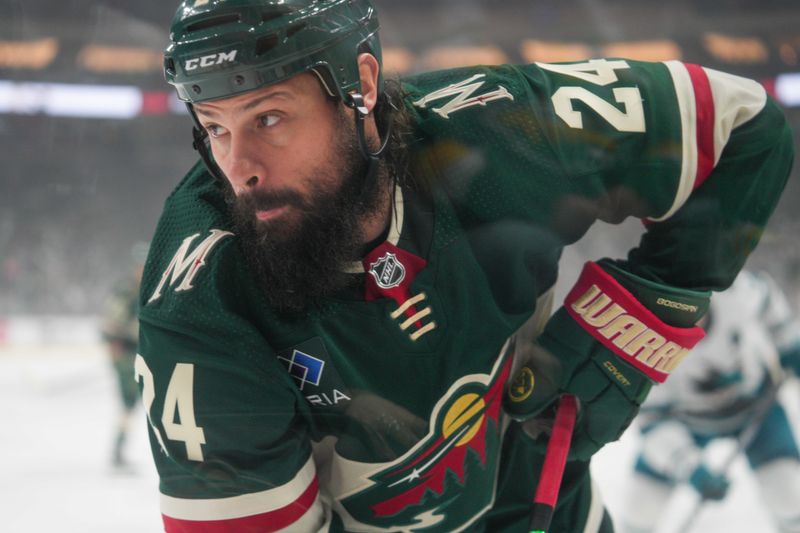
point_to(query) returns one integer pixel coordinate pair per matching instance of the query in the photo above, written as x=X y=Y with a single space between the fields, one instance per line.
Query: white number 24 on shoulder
x=179 y=399
x=600 y=72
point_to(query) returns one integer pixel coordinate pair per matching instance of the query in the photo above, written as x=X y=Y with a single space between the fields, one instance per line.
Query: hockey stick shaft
x=555 y=459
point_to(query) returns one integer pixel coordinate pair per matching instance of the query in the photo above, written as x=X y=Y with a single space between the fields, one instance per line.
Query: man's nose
x=246 y=168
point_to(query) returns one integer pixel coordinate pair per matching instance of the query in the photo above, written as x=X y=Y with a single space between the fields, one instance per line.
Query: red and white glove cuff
x=613 y=316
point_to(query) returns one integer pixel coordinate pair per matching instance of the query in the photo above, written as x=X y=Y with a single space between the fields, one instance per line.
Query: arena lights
x=442 y=57
x=787 y=89
x=554 y=51
x=82 y=101
x=33 y=55
x=130 y=59
x=126 y=101
x=62 y=100
x=655 y=50
x=398 y=60
x=743 y=50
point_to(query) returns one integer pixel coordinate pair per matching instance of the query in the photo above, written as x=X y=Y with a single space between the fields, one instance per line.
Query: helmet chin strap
x=199 y=138
x=356 y=102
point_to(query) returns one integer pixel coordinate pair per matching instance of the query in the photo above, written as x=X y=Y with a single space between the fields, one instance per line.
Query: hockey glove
x=609 y=342
x=710 y=485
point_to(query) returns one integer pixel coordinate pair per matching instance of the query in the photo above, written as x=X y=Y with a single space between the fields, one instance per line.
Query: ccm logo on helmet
x=210 y=60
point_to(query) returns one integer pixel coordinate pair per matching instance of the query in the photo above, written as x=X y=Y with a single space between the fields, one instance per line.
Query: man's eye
x=214 y=130
x=269 y=120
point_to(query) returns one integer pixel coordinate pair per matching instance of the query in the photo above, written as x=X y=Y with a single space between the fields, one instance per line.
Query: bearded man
x=345 y=314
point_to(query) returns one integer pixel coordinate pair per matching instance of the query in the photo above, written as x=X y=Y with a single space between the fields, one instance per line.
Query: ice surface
x=59 y=410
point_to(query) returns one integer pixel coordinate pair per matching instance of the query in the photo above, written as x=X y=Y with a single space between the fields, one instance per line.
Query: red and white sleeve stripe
x=294 y=506
x=711 y=105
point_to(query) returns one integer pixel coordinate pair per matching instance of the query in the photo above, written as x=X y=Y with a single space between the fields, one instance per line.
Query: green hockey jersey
x=380 y=410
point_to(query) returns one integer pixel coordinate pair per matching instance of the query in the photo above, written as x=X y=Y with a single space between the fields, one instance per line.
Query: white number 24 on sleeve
x=598 y=72
x=179 y=399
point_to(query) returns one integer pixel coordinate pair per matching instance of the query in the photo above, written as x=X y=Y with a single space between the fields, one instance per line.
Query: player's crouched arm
x=231 y=452
x=610 y=341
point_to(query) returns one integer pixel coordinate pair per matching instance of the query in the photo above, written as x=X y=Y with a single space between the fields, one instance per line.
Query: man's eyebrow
x=253 y=103
x=210 y=112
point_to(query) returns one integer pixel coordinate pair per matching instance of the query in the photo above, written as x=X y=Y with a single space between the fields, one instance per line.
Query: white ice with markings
x=58 y=417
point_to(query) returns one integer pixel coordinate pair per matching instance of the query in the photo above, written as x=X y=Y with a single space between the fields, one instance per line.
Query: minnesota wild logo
x=447 y=480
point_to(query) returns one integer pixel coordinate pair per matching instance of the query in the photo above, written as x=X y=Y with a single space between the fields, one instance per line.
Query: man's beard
x=298 y=259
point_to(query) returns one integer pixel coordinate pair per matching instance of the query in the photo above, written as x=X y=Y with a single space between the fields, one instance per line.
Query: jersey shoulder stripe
x=711 y=105
x=704 y=106
x=697 y=119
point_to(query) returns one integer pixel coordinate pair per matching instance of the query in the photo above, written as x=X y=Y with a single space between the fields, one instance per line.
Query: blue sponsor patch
x=304 y=368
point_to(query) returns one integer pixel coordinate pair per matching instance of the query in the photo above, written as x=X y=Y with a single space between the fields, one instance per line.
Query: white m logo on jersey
x=463 y=96
x=187 y=266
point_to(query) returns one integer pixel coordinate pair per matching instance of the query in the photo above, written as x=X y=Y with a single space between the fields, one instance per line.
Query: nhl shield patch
x=388 y=271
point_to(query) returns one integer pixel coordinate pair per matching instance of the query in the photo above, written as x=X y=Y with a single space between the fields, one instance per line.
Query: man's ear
x=369 y=71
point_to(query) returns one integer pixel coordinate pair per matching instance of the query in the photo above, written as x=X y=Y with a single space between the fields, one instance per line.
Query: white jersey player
x=724 y=387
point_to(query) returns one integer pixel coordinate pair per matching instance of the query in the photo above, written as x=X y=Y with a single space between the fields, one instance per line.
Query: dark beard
x=298 y=266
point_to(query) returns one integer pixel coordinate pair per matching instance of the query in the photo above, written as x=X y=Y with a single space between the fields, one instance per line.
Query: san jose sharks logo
x=447 y=480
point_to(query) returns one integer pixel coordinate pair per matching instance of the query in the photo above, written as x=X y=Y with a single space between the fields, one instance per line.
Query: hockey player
x=726 y=389
x=120 y=331
x=336 y=298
